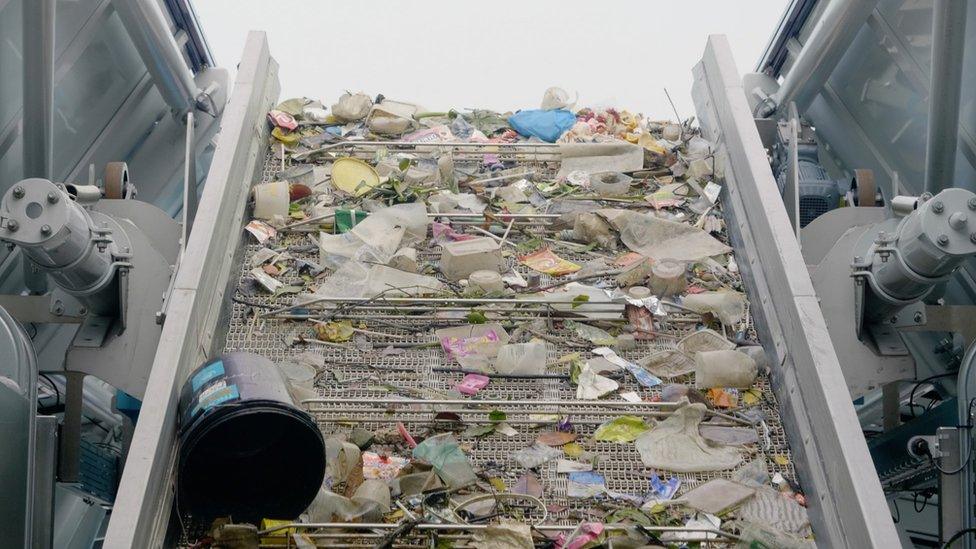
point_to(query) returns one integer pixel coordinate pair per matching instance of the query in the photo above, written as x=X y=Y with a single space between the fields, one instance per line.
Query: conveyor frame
x=848 y=509
x=831 y=456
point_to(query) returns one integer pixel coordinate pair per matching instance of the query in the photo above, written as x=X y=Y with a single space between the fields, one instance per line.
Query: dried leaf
x=477 y=431
x=573 y=450
x=529 y=485
x=336 y=332
x=556 y=438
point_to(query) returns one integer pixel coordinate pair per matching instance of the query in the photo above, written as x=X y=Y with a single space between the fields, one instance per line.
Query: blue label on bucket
x=206 y=374
x=218 y=394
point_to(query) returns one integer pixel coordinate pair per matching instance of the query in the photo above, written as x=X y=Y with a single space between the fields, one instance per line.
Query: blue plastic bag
x=546 y=125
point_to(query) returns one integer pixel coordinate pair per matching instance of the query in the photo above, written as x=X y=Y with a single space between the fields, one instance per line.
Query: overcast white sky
x=498 y=54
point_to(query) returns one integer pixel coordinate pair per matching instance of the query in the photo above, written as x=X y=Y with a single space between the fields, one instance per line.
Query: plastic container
x=724 y=369
x=486 y=281
x=610 y=183
x=271 y=199
x=460 y=259
x=245 y=449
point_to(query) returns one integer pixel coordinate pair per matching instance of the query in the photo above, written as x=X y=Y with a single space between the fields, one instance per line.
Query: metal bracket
x=911 y=316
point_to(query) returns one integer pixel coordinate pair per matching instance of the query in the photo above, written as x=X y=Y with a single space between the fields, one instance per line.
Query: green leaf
x=497 y=415
x=574 y=371
x=634 y=516
x=580 y=299
x=529 y=245
x=477 y=317
x=404 y=164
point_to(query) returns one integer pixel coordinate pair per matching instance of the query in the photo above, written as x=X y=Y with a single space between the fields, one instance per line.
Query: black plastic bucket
x=246 y=451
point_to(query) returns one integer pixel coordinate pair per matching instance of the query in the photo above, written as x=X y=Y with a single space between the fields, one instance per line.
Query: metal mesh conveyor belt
x=366 y=378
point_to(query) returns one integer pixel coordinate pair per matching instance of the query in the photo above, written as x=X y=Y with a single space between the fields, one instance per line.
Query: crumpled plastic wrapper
x=668 y=363
x=661 y=239
x=651 y=303
x=676 y=445
x=504 y=536
x=728 y=306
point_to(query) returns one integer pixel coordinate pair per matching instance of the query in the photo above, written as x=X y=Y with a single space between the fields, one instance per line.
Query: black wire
x=925 y=501
x=957 y=536
x=57 y=392
x=911 y=397
x=897 y=511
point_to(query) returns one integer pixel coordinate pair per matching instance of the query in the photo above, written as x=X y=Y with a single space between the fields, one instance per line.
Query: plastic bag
x=392 y=117
x=352 y=107
x=521 y=358
x=474 y=346
x=331 y=507
x=504 y=536
x=591 y=385
x=536 y=455
x=676 y=445
x=355 y=280
x=728 y=306
x=717 y=496
x=450 y=463
x=545 y=125
x=557 y=98
x=461 y=128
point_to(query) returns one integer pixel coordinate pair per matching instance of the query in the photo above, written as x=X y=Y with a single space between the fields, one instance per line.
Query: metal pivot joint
x=902 y=260
x=81 y=250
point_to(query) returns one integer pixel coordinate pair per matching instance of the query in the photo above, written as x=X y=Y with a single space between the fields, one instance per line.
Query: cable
x=57 y=392
x=925 y=500
x=911 y=397
x=957 y=536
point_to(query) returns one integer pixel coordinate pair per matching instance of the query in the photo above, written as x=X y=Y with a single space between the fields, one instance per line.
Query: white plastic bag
x=557 y=98
x=352 y=107
x=676 y=445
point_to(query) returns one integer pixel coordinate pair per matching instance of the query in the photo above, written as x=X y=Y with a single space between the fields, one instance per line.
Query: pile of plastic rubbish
x=524 y=328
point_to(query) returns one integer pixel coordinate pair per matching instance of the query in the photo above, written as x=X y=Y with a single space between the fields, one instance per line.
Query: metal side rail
x=847 y=507
x=142 y=508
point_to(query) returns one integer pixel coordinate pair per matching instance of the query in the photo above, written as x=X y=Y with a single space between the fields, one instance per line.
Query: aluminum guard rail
x=847 y=507
x=142 y=508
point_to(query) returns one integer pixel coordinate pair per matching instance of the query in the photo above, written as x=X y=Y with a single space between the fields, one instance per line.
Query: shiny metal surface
x=18 y=395
x=147 y=27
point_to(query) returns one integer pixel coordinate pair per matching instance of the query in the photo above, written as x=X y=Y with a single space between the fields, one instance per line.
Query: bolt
x=938 y=207
x=18 y=192
x=12 y=225
x=83 y=311
x=52 y=197
x=918 y=317
x=972 y=203
x=943 y=240
x=45 y=229
x=894 y=319
x=58 y=308
x=972 y=238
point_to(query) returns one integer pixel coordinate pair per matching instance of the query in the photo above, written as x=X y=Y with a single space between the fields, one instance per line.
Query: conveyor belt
x=409 y=375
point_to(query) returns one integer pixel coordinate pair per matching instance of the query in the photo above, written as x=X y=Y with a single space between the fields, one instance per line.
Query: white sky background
x=497 y=54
